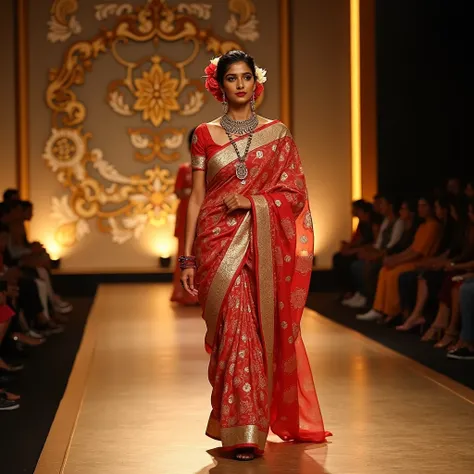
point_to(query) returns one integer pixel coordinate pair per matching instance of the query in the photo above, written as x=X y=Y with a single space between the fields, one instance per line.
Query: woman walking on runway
x=248 y=257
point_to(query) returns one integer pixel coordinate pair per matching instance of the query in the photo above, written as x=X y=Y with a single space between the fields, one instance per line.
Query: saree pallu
x=253 y=276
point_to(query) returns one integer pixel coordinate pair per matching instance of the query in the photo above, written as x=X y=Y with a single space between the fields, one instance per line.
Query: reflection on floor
x=138 y=401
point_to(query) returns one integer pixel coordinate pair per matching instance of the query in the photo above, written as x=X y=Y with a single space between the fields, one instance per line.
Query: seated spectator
x=365 y=269
x=464 y=349
x=363 y=236
x=387 y=300
x=26 y=305
x=456 y=247
x=453 y=187
x=378 y=216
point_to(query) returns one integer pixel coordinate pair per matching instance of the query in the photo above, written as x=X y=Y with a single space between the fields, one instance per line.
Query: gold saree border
x=226 y=156
x=266 y=290
x=238 y=435
x=224 y=277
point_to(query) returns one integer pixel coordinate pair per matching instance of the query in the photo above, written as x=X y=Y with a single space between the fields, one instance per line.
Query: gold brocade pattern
x=266 y=289
x=239 y=435
x=224 y=276
x=198 y=162
x=227 y=155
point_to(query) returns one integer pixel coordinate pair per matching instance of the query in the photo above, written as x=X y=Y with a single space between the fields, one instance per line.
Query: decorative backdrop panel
x=115 y=89
x=7 y=99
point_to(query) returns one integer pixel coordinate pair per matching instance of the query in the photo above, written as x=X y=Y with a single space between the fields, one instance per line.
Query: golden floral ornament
x=63 y=24
x=162 y=144
x=123 y=204
x=105 y=10
x=243 y=21
x=65 y=149
x=156 y=94
x=202 y=11
x=71 y=228
x=298 y=298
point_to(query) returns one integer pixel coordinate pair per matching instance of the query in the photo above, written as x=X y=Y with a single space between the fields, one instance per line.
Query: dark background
x=422 y=90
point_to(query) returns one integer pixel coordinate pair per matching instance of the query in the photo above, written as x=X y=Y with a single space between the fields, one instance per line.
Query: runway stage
x=138 y=401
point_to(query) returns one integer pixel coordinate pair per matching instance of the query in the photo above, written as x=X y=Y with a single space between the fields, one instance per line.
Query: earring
x=225 y=105
x=252 y=103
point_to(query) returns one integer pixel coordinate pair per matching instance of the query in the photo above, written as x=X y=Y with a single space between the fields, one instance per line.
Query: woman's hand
x=187 y=281
x=236 y=201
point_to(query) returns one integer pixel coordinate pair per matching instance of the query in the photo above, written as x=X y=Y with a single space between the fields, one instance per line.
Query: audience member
x=365 y=270
x=420 y=262
x=362 y=237
x=426 y=242
x=426 y=282
x=464 y=349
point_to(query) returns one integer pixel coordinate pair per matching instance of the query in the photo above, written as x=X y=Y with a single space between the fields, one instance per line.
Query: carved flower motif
x=156 y=94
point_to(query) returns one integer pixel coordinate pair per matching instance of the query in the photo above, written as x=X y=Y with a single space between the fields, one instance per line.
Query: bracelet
x=187 y=262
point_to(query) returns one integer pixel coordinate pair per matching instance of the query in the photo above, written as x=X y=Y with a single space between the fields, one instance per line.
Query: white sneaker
x=359 y=302
x=349 y=301
x=371 y=315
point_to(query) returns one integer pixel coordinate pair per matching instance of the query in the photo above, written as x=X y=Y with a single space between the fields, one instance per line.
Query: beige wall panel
x=109 y=130
x=321 y=115
x=7 y=99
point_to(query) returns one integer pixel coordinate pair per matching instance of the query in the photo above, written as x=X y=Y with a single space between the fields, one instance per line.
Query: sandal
x=12 y=397
x=244 y=454
x=447 y=340
x=433 y=334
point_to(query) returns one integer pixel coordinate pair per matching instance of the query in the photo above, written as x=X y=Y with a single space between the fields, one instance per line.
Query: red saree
x=253 y=276
x=182 y=187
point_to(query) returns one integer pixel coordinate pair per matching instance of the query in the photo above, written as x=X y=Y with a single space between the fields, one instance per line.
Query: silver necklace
x=240 y=127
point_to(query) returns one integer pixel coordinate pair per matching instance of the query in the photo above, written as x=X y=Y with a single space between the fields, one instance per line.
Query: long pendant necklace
x=240 y=127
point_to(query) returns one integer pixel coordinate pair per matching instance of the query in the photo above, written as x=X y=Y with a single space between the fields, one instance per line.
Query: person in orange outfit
x=425 y=244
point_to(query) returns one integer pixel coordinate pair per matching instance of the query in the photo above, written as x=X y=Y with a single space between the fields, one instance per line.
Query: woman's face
x=424 y=209
x=239 y=83
x=404 y=212
x=441 y=212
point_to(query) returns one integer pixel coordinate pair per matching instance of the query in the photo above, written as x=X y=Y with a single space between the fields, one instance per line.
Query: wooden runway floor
x=138 y=401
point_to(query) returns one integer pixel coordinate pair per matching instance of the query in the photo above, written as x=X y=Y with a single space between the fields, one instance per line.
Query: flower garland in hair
x=214 y=88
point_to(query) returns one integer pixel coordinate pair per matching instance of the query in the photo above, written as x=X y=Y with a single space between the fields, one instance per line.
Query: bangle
x=187 y=262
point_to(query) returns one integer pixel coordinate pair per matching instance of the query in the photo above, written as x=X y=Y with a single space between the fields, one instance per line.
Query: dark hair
x=9 y=194
x=428 y=198
x=410 y=203
x=444 y=202
x=190 y=137
x=230 y=58
x=26 y=205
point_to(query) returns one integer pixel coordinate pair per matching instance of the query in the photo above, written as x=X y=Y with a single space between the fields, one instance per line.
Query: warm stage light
x=53 y=249
x=355 y=101
x=163 y=246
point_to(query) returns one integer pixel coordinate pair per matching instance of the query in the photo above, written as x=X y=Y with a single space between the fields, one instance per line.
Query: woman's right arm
x=195 y=202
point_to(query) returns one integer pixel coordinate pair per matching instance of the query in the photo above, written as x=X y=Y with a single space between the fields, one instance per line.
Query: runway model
x=248 y=257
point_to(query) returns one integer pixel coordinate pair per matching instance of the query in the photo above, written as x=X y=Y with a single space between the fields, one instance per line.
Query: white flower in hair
x=215 y=61
x=261 y=75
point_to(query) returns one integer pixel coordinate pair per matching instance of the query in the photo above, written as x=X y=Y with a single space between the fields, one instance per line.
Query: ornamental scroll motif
x=155 y=87
x=63 y=23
